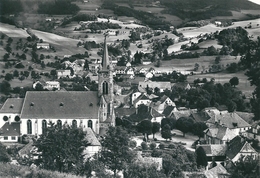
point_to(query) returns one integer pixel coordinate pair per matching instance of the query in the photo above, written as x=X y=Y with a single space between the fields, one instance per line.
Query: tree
x=57 y=151
x=166 y=132
x=53 y=73
x=16 y=73
x=198 y=128
x=201 y=157
x=21 y=78
x=170 y=121
x=4 y=157
x=115 y=153
x=184 y=124
x=234 y=81
x=156 y=128
x=86 y=65
x=232 y=106
x=8 y=77
x=145 y=127
x=5 y=87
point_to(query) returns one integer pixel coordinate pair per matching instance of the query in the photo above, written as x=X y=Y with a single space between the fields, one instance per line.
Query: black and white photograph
x=129 y=88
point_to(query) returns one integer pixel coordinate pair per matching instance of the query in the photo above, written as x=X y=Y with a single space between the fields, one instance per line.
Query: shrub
x=156 y=153
x=171 y=146
x=144 y=145
x=155 y=139
x=132 y=143
x=152 y=146
x=162 y=146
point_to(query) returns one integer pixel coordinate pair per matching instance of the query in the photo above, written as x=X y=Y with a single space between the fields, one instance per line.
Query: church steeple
x=105 y=59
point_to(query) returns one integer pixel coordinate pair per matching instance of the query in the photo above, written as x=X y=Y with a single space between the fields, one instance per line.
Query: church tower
x=105 y=90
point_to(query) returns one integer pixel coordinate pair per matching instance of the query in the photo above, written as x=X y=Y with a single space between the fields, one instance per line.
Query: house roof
x=216 y=171
x=248 y=117
x=163 y=98
x=152 y=96
x=141 y=97
x=235 y=146
x=179 y=114
x=91 y=137
x=124 y=84
x=60 y=105
x=182 y=85
x=149 y=115
x=214 y=149
x=168 y=110
x=199 y=116
x=230 y=120
x=220 y=132
x=124 y=111
x=12 y=129
x=12 y=105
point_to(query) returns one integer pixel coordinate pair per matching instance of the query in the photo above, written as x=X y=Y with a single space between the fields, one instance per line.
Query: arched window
x=90 y=124
x=17 y=118
x=44 y=126
x=29 y=127
x=105 y=88
x=5 y=118
x=74 y=124
x=59 y=124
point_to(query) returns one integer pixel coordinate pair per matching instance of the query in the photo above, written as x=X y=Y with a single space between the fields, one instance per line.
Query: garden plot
x=13 y=31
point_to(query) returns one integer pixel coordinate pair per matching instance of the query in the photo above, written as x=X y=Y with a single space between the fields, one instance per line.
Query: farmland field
x=13 y=31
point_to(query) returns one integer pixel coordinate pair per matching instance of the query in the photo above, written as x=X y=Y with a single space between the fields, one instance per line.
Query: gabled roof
x=141 y=97
x=248 y=117
x=168 y=110
x=230 y=120
x=217 y=171
x=119 y=112
x=179 y=114
x=60 y=105
x=220 y=132
x=149 y=115
x=200 y=116
x=91 y=137
x=12 y=105
x=163 y=98
x=214 y=149
x=235 y=146
x=182 y=85
x=12 y=129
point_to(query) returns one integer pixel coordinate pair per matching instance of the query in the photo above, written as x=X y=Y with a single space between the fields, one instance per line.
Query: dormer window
x=61 y=104
x=234 y=124
x=91 y=104
x=11 y=106
x=32 y=104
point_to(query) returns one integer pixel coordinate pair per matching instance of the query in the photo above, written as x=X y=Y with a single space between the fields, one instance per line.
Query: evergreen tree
x=201 y=157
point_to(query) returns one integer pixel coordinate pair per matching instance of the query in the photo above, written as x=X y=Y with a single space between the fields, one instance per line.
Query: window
x=90 y=124
x=13 y=138
x=44 y=126
x=17 y=118
x=74 y=124
x=59 y=124
x=105 y=88
x=5 y=138
x=5 y=118
x=29 y=127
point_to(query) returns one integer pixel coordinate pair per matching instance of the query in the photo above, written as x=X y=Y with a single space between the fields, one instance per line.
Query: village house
x=161 y=104
x=95 y=145
x=229 y=120
x=63 y=73
x=43 y=45
x=254 y=131
x=160 y=85
x=48 y=85
x=10 y=132
x=142 y=99
x=238 y=147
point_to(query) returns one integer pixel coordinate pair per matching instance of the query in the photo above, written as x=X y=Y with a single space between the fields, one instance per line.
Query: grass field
x=12 y=31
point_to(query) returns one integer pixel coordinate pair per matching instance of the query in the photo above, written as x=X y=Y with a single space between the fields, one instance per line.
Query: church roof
x=12 y=105
x=60 y=105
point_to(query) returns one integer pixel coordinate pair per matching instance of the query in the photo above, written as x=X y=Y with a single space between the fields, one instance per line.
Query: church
x=92 y=109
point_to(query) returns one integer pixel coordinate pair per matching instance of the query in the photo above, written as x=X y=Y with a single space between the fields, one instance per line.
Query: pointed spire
x=105 y=60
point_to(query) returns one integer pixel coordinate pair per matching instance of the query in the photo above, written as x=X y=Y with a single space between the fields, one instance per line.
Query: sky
x=255 y=1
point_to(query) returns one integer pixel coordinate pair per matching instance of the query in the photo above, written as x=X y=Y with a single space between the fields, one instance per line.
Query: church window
x=29 y=127
x=105 y=88
x=44 y=126
x=59 y=124
x=17 y=118
x=74 y=124
x=90 y=124
x=5 y=118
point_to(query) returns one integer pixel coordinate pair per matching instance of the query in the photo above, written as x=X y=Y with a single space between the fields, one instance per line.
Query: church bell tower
x=105 y=88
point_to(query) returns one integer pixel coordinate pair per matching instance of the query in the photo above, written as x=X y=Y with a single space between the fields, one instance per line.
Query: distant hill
x=205 y=9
